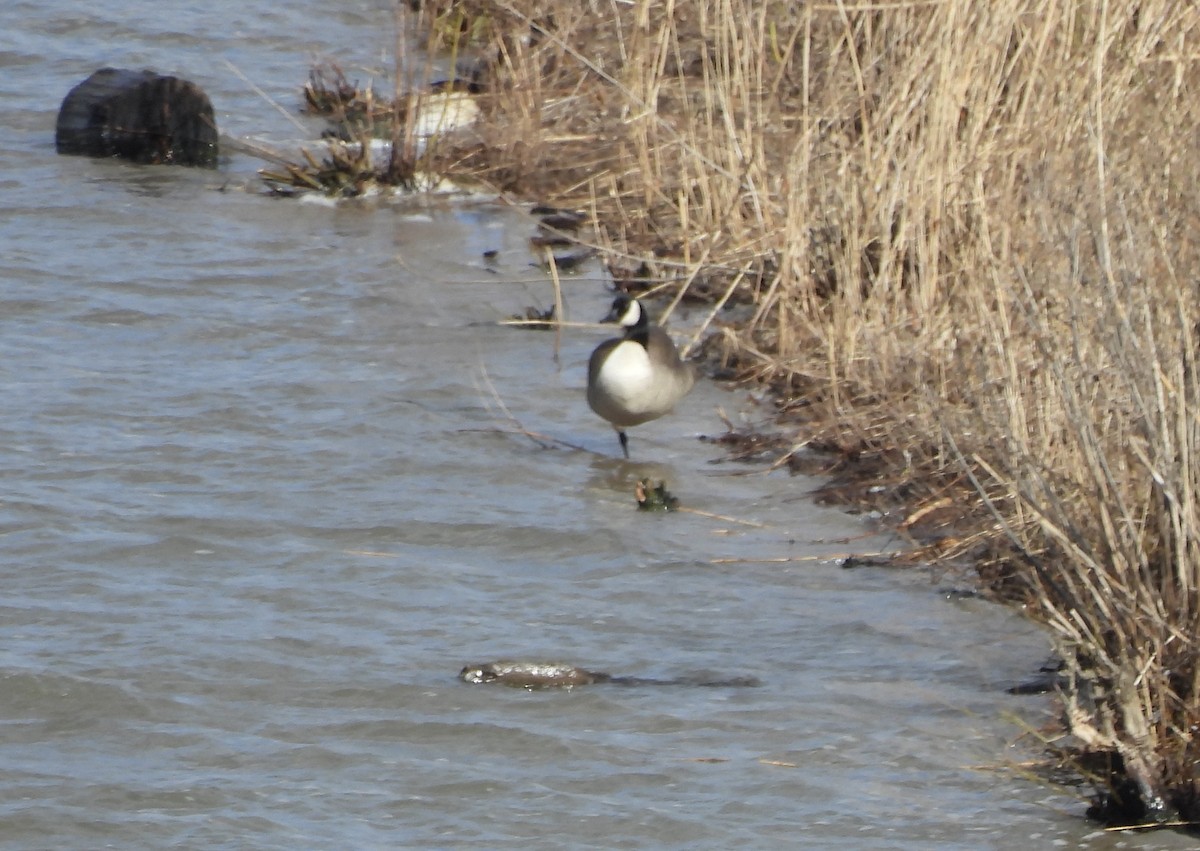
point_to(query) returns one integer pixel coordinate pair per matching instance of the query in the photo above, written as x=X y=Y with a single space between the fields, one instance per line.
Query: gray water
x=263 y=498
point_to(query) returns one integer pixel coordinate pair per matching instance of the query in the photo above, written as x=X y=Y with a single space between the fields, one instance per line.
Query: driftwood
x=140 y=116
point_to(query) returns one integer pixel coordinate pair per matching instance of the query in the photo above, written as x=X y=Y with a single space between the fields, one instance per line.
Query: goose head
x=628 y=313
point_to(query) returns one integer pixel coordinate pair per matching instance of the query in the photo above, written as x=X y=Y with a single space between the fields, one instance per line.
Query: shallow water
x=263 y=500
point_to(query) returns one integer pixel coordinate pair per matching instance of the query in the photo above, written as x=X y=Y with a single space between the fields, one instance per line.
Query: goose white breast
x=637 y=377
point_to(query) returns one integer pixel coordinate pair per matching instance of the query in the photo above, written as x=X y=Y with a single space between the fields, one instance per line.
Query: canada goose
x=637 y=377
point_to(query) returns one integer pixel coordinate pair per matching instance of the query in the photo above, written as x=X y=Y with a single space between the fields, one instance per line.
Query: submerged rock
x=140 y=116
x=541 y=675
x=531 y=675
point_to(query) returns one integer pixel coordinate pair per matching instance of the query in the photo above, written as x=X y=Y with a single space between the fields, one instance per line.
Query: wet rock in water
x=542 y=675
x=140 y=116
x=531 y=675
x=558 y=219
x=557 y=241
x=1049 y=678
x=536 y=320
x=569 y=261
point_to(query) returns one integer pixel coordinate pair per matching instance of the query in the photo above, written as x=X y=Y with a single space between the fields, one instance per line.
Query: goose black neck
x=639 y=329
x=639 y=334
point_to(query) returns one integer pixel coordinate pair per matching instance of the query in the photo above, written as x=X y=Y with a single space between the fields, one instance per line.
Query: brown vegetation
x=962 y=232
x=409 y=124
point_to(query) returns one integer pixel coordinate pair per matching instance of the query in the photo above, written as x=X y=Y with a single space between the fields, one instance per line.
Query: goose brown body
x=637 y=377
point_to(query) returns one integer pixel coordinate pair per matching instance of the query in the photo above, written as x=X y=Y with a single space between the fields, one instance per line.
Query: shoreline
x=955 y=255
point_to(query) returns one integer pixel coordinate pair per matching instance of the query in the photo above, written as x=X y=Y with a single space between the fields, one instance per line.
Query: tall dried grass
x=968 y=233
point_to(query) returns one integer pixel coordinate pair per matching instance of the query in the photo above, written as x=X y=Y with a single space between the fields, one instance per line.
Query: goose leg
x=624 y=442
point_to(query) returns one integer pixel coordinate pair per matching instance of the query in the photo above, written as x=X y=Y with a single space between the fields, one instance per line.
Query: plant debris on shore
x=372 y=143
x=652 y=497
x=962 y=235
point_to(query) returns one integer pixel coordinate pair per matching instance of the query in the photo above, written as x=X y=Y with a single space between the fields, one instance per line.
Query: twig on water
x=558 y=301
x=797 y=559
x=508 y=415
x=543 y=441
x=548 y=323
x=723 y=517
x=1154 y=825
x=712 y=314
x=258 y=91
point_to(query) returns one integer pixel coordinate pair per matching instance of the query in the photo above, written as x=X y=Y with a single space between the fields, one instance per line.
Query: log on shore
x=140 y=116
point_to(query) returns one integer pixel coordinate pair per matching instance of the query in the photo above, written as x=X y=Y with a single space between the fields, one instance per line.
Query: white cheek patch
x=631 y=315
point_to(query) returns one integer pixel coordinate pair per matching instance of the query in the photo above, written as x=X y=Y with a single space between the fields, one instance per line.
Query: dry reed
x=963 y=236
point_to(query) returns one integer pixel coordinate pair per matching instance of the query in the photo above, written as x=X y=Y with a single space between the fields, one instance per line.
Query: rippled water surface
x=262 y=500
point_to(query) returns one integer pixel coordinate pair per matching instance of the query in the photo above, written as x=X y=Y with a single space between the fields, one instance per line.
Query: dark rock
x=140 y=116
